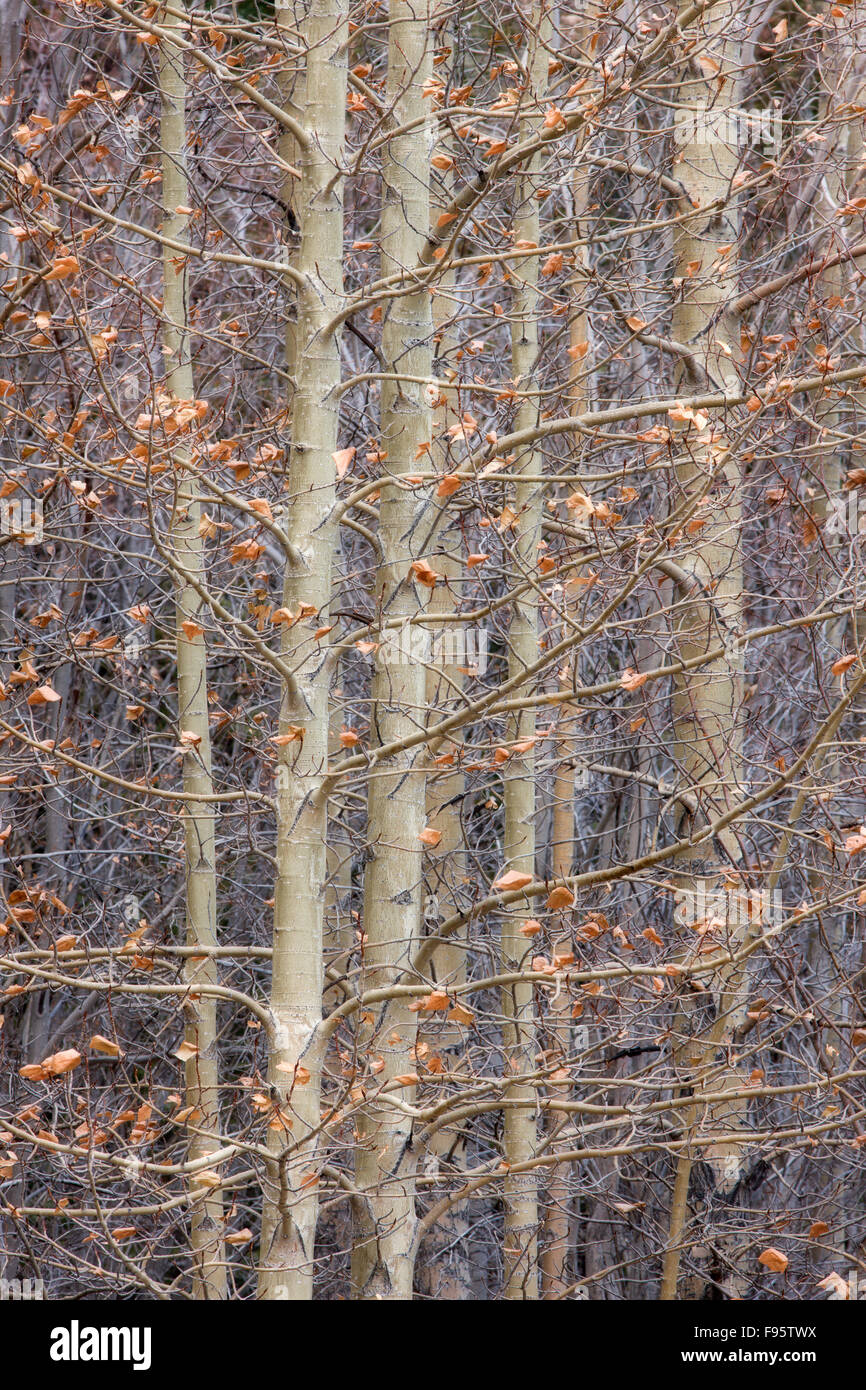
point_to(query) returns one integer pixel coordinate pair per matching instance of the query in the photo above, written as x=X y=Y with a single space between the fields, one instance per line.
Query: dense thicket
x=431 y=665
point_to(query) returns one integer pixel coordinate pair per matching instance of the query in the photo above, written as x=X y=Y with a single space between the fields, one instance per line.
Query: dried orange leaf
x=431 y=1003
x=459 y=1014
x=242 y=1237
x=343 y=459
x=424 y=573
x=560 y=898
x=841 y=666
x=773 y=1259
x=513 y=878
x=835 y=1284
x=631 y=679
x=43 y=695
x=60 y=1062
x=449 y=484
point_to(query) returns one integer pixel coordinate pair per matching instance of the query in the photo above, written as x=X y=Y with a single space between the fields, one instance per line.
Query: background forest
x=432 y=649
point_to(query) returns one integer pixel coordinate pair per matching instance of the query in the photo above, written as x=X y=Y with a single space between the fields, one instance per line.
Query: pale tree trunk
x=295 y=1064
x=202 y=1066
x=338 y=932
x=383 y=1256
x=706 y=703
x=558 y=1197
x=519 y=1124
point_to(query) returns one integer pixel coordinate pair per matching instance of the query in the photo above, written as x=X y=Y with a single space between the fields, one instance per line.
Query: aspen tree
x=519 y=1124
x=558 y=1194
x=385 y=1243
x=187 y=547
x=295 y=1063
x=706 y=708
